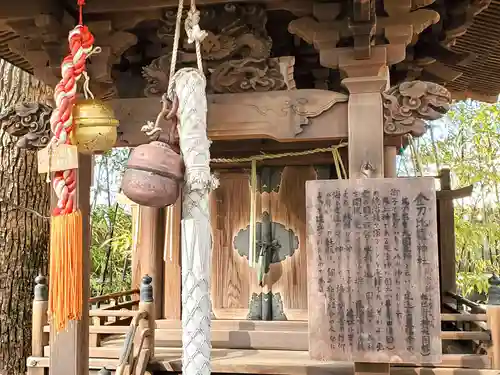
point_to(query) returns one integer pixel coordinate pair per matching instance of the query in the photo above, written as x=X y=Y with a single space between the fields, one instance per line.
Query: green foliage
x=111 y=244
x=111 y=249
x=469 y=144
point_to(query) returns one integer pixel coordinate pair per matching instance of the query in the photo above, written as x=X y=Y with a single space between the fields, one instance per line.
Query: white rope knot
x=193 y=30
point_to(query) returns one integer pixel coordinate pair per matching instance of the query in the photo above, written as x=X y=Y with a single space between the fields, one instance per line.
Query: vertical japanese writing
x=421 y=202
x=373 y=263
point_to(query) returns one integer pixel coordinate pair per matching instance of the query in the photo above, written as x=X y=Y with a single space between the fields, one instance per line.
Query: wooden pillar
x=446 y=223
x=172 y=299
x=366 y=136
x=147 y=304
x=136 y=271
x=493 y=314
x=365 y=114
x=390 y=168
x=150 y=244
x=39 y=339
x=69 y=349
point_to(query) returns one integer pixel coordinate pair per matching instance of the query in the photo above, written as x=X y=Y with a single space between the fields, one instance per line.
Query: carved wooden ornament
x=30 y=122
x=407 y=106
x=236 y=52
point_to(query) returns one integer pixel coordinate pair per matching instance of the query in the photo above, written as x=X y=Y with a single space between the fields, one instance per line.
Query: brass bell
x=95 y=126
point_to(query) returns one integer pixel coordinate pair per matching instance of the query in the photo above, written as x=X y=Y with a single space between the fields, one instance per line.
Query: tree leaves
x=470 y=147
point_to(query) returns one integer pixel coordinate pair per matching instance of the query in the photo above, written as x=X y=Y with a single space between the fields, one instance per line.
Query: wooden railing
x=119 y=312
x=115 y=301
x=479 y=325
x=141 y=334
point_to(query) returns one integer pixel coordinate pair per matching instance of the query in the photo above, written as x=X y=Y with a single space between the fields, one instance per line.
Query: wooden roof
x=481 y=77
x=478 y=24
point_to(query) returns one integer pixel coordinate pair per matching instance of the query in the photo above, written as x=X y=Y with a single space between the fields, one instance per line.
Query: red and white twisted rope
x=61 y=122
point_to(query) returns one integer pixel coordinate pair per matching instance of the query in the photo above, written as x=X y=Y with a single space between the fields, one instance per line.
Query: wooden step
x=299 y=363
x=95 y=364
x=245 y=325
x=169 y=358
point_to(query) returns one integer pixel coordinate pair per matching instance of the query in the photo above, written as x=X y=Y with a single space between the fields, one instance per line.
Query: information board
x=373 y=270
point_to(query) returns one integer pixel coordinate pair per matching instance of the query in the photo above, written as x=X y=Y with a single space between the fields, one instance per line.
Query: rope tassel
x=66 y=274
x=65 y=282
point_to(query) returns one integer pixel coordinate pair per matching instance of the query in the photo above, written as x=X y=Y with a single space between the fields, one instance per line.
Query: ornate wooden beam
x=285 y=116
x=297 y=7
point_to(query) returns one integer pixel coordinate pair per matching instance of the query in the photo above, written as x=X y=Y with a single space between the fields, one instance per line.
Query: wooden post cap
x=41 y=288
x=146 y=289
x=494 y=290
x=104 y=371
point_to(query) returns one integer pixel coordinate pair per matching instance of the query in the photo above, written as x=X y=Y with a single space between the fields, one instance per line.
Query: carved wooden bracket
x=408 y=105
x=42 y=44
x=30 y=122
x=362 y=22
x=399 y=29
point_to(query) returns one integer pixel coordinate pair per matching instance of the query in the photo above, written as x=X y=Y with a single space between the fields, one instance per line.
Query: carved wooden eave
x=43 y=47
x=32 y=34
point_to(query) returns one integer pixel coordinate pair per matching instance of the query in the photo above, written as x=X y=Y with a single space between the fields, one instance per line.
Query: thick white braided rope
x=189 y=87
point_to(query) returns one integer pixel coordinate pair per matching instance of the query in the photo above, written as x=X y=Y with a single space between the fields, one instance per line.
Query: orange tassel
x=65 y=280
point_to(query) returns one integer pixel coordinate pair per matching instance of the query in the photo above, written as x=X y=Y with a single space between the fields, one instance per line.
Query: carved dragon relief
x=236 y=52
x=30 y=122
x=408 y=105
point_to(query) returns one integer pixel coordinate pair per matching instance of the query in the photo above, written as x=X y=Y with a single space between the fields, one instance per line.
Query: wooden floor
x=261 y=347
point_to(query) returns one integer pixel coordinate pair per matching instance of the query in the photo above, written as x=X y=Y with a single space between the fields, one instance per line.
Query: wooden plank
x=172 y=261
x=240 y=357
x=283 y=340
x=299 y=8
x=299 y=363
x=446 y=237
x=285 y=116
x=70 y=348
x=463 y=317
x=233 y=280
x=150 y=244
x=244 y=325
x=373 y=267
x=94 y=363
x=263 y=340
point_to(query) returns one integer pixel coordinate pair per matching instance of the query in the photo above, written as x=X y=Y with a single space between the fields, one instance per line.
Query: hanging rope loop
x=194 y=33
x=175 y=50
